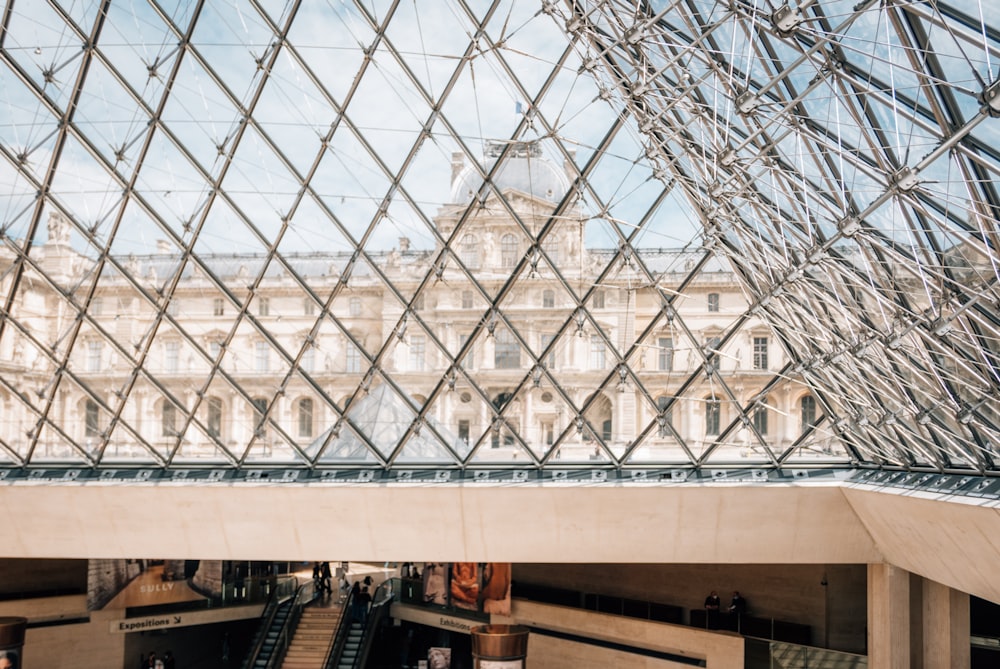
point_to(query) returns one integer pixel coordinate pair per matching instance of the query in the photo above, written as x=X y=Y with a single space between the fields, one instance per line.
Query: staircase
x=312 y=639
x=352 y=646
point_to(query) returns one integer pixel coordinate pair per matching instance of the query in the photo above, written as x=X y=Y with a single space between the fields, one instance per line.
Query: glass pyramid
x=500 y=234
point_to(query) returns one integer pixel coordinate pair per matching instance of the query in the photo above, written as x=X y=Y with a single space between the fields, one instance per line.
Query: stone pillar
x=945 y=626
x=888 y=617
x=208 y=578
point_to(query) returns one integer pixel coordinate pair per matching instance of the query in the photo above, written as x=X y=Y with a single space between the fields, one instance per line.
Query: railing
x=763 y=654
x=343 y=630
x=383 y=597
x=285 y=590
x=379 y=612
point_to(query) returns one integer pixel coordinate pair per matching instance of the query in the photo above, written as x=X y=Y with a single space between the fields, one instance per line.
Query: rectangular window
x=507 y=351
x=666 y=354
x=548 y=434
x=94 y=349
x=713 y=302
x=466 y=299
x=353 y=359
x=418 y=345
x=548 y=299
x=173 y=354
x=97 y=307
x=598 y=299
x=760 y=352
x=261 y=358
x=551 y=248
x=463 y=431
x=469 y=362
x=308 y=307
x=418 y=303
x=218 y=307
x=550 y=359
x=214 y=349
x=263 y=306
x=306 y=418
x=308 y=361
x=597 y=352
x=354 y=306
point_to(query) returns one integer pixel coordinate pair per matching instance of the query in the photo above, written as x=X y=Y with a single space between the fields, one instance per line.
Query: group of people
x=152 y=661
x=361 y=600
x=322 y=577
x=737 y=607
x=409 y=570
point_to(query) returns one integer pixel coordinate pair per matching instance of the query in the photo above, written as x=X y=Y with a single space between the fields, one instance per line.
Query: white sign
x=147 y=623
x=433 y=618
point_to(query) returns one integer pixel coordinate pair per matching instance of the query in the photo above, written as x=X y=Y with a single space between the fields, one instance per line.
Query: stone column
x=208 y=578
x=945 y=626
x=888 y=617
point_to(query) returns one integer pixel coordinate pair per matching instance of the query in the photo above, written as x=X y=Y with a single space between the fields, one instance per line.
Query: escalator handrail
x=379 y=610
x=290 y=624
x=340 y=639
x=383 y=595
x=274 y=602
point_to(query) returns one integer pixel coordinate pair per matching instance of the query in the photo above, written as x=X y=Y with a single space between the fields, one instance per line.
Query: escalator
x=353 y=642
x=277 y=624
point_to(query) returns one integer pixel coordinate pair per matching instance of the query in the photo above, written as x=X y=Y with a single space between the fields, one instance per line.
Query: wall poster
x=121 y=584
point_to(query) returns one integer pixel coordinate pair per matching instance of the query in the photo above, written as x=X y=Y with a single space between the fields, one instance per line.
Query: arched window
x=600 y=417
x=214 y=422
x=168 y=420
x=808 y=411
x=469 y=251
x=91 y=420
x=259 y=409
x=665 y=419
x=305 y=418
x=713 y=415
x=760 y=417
x=508 y=251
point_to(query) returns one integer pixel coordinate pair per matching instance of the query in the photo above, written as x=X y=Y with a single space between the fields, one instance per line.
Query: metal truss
x=196 y=198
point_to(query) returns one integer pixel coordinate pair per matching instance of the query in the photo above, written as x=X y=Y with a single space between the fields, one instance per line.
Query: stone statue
x=58 y=228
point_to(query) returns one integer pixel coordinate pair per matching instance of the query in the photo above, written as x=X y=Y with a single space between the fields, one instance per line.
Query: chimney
x=569 y=166
x=457 y=165
x=404 y=244
x=163 y=246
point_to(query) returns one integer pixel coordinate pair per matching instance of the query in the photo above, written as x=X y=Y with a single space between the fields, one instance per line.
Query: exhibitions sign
x=437 y=619
x=150 y=623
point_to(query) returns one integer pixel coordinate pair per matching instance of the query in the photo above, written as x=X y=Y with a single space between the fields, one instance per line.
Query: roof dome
x=524 y=170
